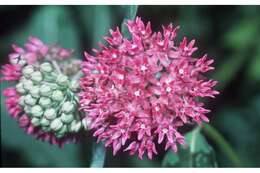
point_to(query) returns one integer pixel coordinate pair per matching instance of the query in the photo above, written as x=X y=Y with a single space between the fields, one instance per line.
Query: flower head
x=139 y=92
x=45 y=96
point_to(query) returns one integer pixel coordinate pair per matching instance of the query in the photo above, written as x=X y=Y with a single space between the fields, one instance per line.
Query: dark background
x=229 y=34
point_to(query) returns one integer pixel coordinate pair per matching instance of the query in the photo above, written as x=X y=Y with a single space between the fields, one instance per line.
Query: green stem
x=213 y=134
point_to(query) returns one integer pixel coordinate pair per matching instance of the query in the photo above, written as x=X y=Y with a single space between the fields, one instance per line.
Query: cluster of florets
x=44 y=99
x=139 y=92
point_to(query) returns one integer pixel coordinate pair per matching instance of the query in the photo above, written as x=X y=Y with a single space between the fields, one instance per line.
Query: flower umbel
x=45 y=97
x=140 y=92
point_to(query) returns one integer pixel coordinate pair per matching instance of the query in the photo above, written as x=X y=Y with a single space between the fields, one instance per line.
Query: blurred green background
x=229 y=34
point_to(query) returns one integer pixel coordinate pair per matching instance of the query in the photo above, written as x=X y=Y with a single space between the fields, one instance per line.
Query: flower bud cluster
x=47 y=98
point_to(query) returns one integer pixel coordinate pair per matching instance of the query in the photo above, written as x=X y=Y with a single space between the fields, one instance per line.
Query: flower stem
x=56 y=66
x=213 y=134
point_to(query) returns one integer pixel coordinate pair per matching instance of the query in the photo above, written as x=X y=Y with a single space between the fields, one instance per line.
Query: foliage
x=197 y=153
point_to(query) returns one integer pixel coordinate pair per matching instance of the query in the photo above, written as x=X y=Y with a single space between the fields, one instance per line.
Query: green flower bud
x=57 y=95
x=46 y=67
x=22 y=62
x=74 y=85
x=75 y=126
x=36 y=76
x=62 y=79
x=50 y=114
x=29 y=100
x=45 y=90
x=62 y=131
x=45 y=122
x=21 y=101
x=66 y=118
x=35 y=91
x=19 y=88
x=27 y=110
x=35 y=121
x=27 y=84
x=45 y=102
x=36 y=111
x=46 y=128
x=27 y=70
x=56 y=124
x=67 y=107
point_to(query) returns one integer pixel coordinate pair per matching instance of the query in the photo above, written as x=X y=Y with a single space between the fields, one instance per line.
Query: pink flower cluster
x=139 y=92
x=35 y=50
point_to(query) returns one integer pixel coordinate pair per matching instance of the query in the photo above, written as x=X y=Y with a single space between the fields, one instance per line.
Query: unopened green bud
x=62 y=131
x=74 y=85
x=67 y=107
x=36 y=76
x=56 y=124
x=35 y=91
x=75 y=126
x=66 y=118
x=35 y=121
x=62 y=79
x=46 y=67
x=27 y=84
x=22 y=62
x=19 y=88
x=21 y=101
x=46 y=128
x=45 y=122
x=45 y=102
x=50 y=114
x=27 y=70
x=36 y=111
x=27 y=109
x=29 y=100
x=57 y=95
x=45 y=90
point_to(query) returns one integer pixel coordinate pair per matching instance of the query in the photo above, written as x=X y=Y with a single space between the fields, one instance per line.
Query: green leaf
x=38 y=153
x=98 y=155
x=254 y=66
x=130 y=13
x=198 y=153
x=95 y=22
x=240 y=36
x=226 y=72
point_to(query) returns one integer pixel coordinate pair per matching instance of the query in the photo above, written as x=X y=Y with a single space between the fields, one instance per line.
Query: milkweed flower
x=139 y=92
x=45 y=96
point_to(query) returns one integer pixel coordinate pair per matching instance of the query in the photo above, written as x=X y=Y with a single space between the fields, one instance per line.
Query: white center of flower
x=143 y=67
x=181 y=71
x=137 y=93
x=121 y=77
x=168 y=89
x=186 y=48
x=157 y=108
x=134 y=46
x=143 y=32
x=165 y=130
x=114 y=55
x=182 y=110
x=168 y=81
x=142 y=126
x=113 y=87
x=160 y=43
